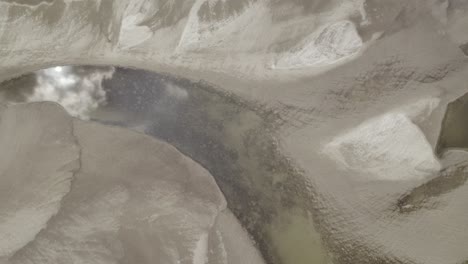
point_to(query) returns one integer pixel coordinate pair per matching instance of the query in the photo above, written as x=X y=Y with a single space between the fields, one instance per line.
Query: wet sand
x=411 y=50
x=235 y=140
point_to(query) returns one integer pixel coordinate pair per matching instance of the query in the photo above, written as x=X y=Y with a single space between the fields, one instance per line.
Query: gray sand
x=356 y=93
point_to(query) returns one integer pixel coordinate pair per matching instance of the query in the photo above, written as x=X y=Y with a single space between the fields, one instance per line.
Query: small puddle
x=454 y=126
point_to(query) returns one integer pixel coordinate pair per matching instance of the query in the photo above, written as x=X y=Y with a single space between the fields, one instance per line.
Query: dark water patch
x=454 y=131
x=18 y=89
x=420 y=197
x=464 y=48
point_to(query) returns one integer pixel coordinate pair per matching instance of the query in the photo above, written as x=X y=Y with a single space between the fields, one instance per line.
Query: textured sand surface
x=86 y=193
x=355 y=93
x=39 y=158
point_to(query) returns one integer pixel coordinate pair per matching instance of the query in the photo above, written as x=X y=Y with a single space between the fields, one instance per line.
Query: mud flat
x=233 y=139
